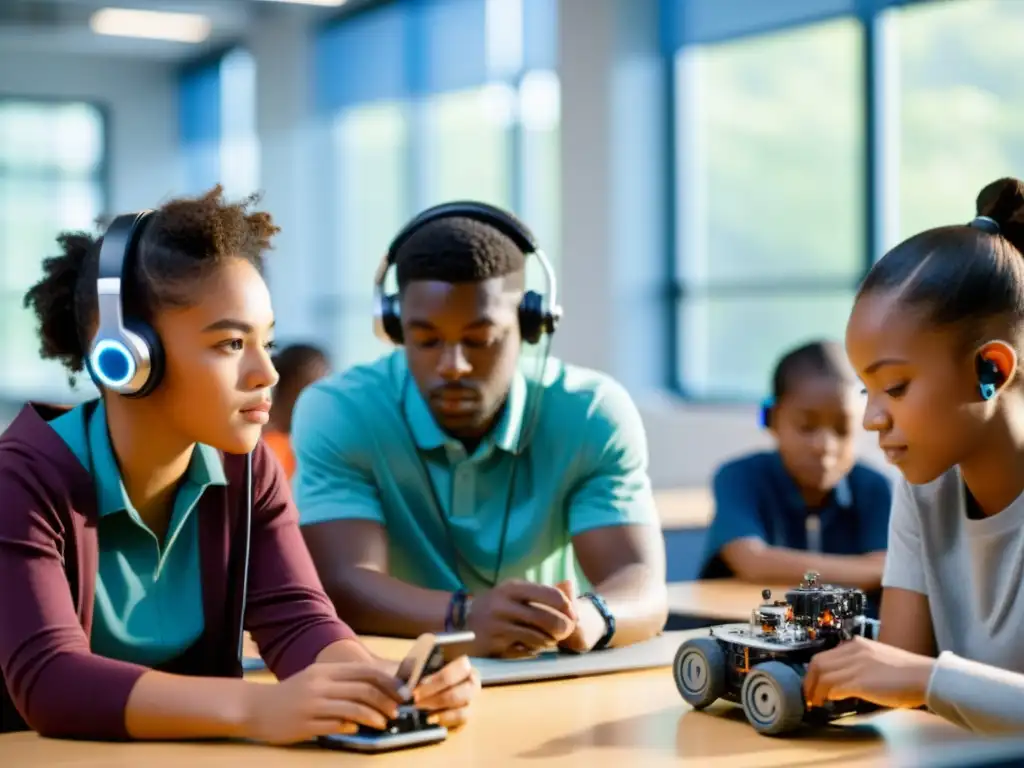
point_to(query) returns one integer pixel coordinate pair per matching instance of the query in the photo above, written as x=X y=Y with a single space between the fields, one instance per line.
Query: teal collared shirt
x=368 y=448
x=149 y=606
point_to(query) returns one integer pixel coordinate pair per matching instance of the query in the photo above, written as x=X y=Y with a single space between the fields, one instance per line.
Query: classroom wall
x=616 y=223
x=142 y=112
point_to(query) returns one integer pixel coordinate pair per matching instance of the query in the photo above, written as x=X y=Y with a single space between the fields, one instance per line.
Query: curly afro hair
x=184 y=241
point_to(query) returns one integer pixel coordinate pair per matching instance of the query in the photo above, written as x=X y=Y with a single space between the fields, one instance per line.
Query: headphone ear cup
x=391 y=319
x=114 y=362
x=156 y=357
x=531 y=317
x=766 y=412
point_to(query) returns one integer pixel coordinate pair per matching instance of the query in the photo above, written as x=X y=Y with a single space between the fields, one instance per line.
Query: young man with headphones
x=441 y=487
x=143 y=531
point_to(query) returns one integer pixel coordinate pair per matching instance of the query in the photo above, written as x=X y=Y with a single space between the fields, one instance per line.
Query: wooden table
x=723 y=599
x=588 y=722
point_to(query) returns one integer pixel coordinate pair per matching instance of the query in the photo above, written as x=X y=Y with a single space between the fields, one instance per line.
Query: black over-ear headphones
x=535 y=318
x=125 y=356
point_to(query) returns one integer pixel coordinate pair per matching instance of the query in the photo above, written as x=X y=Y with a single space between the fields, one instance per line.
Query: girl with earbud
x=936 y=336
x=141 y=531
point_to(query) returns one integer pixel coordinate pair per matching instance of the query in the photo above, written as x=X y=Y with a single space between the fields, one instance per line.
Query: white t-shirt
x=972 y=572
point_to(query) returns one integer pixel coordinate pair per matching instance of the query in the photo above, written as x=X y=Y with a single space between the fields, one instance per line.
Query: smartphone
x=430 y=653
x=368 y=740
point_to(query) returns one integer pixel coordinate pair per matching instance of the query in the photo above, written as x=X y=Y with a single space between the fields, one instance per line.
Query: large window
x=239 y=145
x=467 y=151
x=429 y=102
x=372 y=189
x=539 y=111
x=961 y=106
x=785 y=114
x=52 y=178
x=771 y=221
x=217 y=120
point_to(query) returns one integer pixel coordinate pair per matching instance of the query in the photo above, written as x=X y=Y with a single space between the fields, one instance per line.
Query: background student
x=436 y=490
x=298 y=366
x=125 y=519
x=936 y=334
x=808 y=505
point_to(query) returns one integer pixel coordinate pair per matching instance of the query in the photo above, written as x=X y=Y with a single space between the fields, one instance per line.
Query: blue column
x=199 y=124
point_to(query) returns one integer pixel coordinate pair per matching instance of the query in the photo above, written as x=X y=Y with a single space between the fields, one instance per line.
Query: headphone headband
x=119 y=243
x=534 y=318
x=503 y=221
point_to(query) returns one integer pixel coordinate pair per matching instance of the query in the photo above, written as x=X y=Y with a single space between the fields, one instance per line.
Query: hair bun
x=1003 y=202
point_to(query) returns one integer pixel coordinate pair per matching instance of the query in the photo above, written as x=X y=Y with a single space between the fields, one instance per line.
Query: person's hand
x=868 y=670
x=448 y=693
x=519 y=618
x=323 y=699
x=590 y=627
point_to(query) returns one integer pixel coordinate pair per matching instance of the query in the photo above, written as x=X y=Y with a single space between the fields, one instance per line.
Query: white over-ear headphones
x=125 y=355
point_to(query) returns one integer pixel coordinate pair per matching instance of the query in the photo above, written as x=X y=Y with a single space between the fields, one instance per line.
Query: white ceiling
x=62 y=26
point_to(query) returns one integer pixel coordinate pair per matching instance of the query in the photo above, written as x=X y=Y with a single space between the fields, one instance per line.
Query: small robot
x=761 y=664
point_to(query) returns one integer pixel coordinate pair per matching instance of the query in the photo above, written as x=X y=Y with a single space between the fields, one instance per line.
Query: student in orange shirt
x=298 y=365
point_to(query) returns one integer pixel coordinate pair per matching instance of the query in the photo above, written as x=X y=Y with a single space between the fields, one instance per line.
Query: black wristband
x=609 y=620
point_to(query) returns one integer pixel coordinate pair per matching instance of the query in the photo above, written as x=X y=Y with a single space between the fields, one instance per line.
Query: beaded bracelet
x=455 y=616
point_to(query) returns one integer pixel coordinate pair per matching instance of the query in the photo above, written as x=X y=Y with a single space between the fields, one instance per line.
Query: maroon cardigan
x=48 y=559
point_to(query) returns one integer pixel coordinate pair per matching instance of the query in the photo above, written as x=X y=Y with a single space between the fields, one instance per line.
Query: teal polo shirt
x=368 y=448
x=149 y=594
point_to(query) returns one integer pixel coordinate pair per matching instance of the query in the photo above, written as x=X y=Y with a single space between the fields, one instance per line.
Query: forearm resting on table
x=638 y=599
x=354 y=651
x=977 y=696
x=375 y=603
x=164 y=706
x=753 y=560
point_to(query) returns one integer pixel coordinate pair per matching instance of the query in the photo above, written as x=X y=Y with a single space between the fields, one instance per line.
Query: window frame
x=12 y=397
x=879 y=188
x=103 y=174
